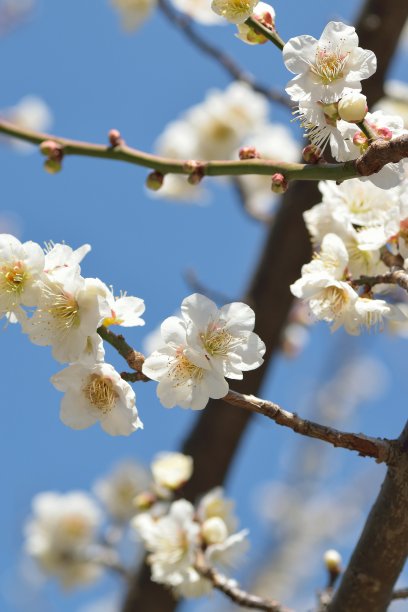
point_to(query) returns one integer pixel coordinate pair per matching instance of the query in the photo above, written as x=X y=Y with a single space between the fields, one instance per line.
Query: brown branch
x=185 y=26
x=397 y=277
x=380 y=153
x=234 y=592
x=380 y=449
x=134 y=358
x=400 y=594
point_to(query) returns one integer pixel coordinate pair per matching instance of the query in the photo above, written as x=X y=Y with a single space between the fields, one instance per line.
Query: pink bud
x=115 y=138
x=248 y=153
x=279 y=183
x=51 y=149
x=360 y=139
x=311 y=154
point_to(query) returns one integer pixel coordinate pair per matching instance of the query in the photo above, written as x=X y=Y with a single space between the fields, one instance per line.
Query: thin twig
x=397 y=277
x=400 y=594
x=271 y=35
x=134 y=358
x=378 y=448
x=197 y=286
x=234 y=592
x=184 y=24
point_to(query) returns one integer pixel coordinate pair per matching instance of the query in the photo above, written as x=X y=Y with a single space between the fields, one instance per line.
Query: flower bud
x=384 y=133
x=248 y=153
x=195 y=177
x=311 y=154
x=332 y=560
x=265 y=14
x=51 y=149
x=172 y=470
x=115 y=138
x=353 y=107
x=154 y=180
x=214 y=530
x=279 y=183
x=52 y=166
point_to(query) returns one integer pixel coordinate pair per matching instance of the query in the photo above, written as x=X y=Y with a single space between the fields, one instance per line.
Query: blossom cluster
x=65 y=533
x=56 y=306
x=202 y=348
x=353 y=227
x=327 y=90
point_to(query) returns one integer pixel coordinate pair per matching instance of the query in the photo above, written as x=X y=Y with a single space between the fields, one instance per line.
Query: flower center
x=236 y=8
x=329 y=65
x=65 y=310
x=335 y=299
x=217 y=341
x=13 y=277
x=182 y=370
x=100 y=393
x=74 y=526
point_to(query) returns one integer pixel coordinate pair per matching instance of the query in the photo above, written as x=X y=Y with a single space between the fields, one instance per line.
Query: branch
x=183 y=23
x=270 y=34
x=382 y=152
x=378 y=448
x=134 y=358
x=164 y=165
x=400 y=594
x=234 y=592
x=396 y=277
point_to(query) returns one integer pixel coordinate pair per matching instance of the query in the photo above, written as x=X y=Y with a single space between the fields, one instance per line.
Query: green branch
x=271 y=35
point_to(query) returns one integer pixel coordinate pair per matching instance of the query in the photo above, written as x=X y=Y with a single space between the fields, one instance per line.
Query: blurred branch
x=184 y=24
x=197 y=286
x=400 y=594
x=234 y=592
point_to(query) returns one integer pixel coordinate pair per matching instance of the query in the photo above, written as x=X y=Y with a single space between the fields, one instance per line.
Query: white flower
x=171 y=470
x=63 y=256
x=327 y=68
x=133 y=12
x=234 y=11
x=215 y=504
x=20 y=268
x=265 y=13
x=180 y=380
x=214 y=530
x=192 y=585
x=320 y=123
x=125 y=309
x=59 y=534
x=199 y=10
x=171 y=540
x=370 y=313
x=226 y=554
x=97 y=393
x=69 y=311
x=118 y=489
x=223 y=337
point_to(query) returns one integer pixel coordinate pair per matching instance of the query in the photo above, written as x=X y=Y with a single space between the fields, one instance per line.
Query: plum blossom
x=234 y=11
x=69 y=311
x=223 y=336
x=182 y=381
x=63 y=256
x=118 y=489
x=171 y=540
x=59 y=535
x=172 y=470
x=265 y=13
x=97 y=393
x=21 y=266
x=327 y=68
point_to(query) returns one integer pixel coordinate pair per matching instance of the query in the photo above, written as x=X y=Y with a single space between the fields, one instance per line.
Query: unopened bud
x=332 y=560
x=264 y=14
x=353 y=107
x=195 y=177
x=248 y=153
x=51 y=149
x=52 y=166
x=214 y=530
x=311 y=154
x=154 y=180
x=115 y=138
x=144 y=500
x=384 y=133
x=279 y=183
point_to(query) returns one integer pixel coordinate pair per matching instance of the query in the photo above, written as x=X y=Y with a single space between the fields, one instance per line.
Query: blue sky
x=94 y=77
